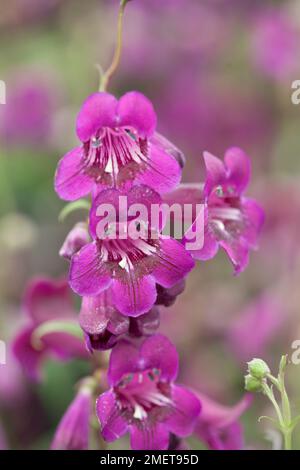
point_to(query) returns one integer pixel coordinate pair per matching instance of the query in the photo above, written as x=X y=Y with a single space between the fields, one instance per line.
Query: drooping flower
x=143 y=398
x=47 y=300
x=119 y=145
x=218 y=426
x=103 y=325
x=74 y=428
x=231 y=221
x=75 y=240
x=129 y=266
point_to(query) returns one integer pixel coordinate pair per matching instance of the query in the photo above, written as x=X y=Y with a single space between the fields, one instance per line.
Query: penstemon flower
x=119 y=146
x=143 y=398
x=218 y=425
x=124 y=266
x=48 y=306
x=74 y=428
x=130 y=267
x=232 y=221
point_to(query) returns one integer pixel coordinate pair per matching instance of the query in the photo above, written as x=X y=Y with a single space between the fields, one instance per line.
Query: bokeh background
x=219 y=73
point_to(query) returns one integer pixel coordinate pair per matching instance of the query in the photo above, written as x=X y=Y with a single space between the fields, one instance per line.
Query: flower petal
x=238 y=253
x=149 y=437
x=134 y=296
x=88 y=275
x=74 y=428
x=254 y=219
x=135 y=110
x=238 y=166
x=157 y=352
x=215 y=172
x=29 y=358
x=99 y=110
x=169 y=148
x=124 y=359
x=174 y=263
x=71 y=182
x=163 y=173
x=113 y=425
x=186 y=410
x=47 y=299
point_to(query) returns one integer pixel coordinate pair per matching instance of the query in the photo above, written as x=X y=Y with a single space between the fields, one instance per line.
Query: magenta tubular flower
x=103 y=325
x=130 y=267
x=74 y=428
x=232 y=221
x=75 y=240
x=143 y=398
x=47 y=300
x=119 y=145
x=218 y=426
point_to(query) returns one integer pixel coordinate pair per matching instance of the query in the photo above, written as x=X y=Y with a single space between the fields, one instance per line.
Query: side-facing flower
x=103 y=325
x=143 y=398
x=231 y=221
x=119 y=145
x=47 y=301
x=74 y=428
x=75 y=240
x=129 y=266
x=218 y=426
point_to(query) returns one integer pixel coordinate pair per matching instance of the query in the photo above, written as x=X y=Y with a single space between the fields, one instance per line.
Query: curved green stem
x=118 y=50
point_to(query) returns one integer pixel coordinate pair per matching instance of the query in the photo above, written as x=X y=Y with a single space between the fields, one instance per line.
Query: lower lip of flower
x=114 y=155
x=126 y=255
x=141 y=395
x=226 y=222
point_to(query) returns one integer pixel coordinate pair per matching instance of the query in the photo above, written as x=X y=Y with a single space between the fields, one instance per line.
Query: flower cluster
x=124 y=275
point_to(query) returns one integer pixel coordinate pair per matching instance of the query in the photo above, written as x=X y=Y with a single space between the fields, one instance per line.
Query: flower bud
x=75 y=240
x=258 y=368
x=73 y=430
x=252 y=384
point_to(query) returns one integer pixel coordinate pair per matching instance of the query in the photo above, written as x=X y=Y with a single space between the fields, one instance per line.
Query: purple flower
x=74 y=428
x=75 y=240
x=232 y=221
x=47 y=300
x=130 y=267
x=103 y=325
x=119 y=145
x=143 y=398
x=218 y=426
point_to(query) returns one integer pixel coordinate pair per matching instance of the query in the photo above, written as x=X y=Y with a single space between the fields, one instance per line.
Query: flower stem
x=118 y=49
